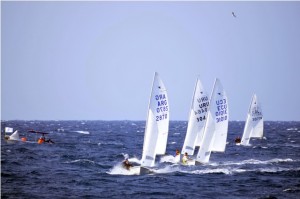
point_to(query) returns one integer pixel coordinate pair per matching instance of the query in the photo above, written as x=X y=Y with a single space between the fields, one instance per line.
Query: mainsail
x=197 y=119
x=157 y=126
x=14 y=136
x=254 y=124
x=216 y=126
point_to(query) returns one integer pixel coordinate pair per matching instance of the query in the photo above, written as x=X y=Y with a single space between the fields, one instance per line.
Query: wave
x=169 y=158
x=167 y=169
x=80 y=161
x=207 y=171
x=253 y=161
x=82 y=132
x=230 y=171
x=292 y=129
x=277 y=169
x=292 y=145
x=111 y=143
x=118 y=169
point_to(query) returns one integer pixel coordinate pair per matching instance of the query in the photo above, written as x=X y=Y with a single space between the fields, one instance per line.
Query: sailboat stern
x=144 y=171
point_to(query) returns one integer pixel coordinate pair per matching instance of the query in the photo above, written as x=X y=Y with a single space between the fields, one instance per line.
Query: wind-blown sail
x=216 y=126
x=14 y=136
x=157 y=126
x=254 y=124
x=197 y=118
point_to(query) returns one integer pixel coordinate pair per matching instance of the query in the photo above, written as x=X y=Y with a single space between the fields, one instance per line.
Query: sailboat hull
x=144 y=170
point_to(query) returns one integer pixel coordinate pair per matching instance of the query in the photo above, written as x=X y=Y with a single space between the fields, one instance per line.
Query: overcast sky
x=96 y=60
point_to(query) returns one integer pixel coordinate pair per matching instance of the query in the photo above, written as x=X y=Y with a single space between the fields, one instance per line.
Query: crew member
x=127 y=164
x=238 y=140
x=185 y=158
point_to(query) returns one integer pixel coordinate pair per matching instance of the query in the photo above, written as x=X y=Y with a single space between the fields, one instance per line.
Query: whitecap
x=277 y=169
x=82 y=132
x=167 y=169
x=253 y=161
x=80 y=160
x=207 y=171
x=292 y=129
x=118 y=169
x=132 y=160
x=169 y=158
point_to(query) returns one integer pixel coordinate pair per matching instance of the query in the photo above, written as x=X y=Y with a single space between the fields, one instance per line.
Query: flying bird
x=233 y=14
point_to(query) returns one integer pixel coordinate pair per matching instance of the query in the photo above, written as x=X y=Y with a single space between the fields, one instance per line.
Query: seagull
x=233 y=14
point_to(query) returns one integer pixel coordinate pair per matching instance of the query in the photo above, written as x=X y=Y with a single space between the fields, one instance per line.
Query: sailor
x=185 y=158
x=177 y=152
x=237 y=140
x=177 y=156
x=127 y=164
x=42 y=139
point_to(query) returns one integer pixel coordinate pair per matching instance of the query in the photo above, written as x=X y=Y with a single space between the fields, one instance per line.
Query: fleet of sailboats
x=207 y=124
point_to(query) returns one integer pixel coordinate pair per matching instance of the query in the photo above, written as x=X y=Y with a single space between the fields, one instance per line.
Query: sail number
x=221 y=113
x=199 y=119
x=256 y=119
x=203 y=104
x=256 y=114
x=162 y=107
x=161 y=117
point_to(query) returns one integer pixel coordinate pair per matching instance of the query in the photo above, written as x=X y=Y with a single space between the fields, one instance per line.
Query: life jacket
x=40 y=141
x=184 y=159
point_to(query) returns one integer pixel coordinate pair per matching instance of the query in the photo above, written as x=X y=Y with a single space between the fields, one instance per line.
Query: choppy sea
x=85 y=162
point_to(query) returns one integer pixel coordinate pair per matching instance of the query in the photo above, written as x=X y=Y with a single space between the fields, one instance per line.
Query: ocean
x=85 y=162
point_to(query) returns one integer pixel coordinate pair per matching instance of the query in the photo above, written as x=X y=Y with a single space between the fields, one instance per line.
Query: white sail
x=157 y=126
x=216 y=126
x=14 y=136
x=254 y=124
x=197 y=118
x=8 y=130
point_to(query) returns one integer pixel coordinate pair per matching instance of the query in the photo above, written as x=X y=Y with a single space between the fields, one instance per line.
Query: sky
x=96 y=60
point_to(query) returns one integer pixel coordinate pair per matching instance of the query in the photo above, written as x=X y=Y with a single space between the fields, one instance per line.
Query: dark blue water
x=85 y=162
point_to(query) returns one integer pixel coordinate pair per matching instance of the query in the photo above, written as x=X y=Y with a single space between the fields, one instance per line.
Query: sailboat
x=197 y=117
x=157 y=125
x=254 y=125
x=216 y=125
x=15 y=136
x=6 y=131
